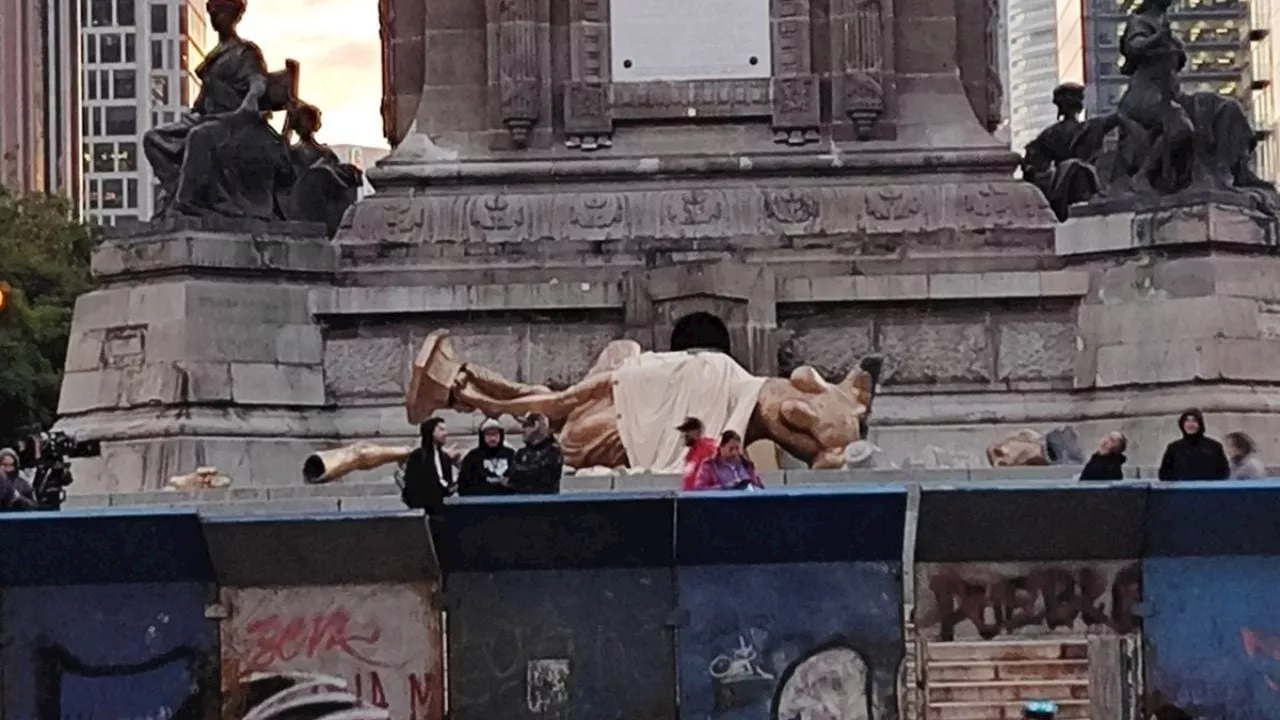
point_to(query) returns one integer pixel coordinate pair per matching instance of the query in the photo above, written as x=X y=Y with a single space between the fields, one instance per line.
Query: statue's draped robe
x=212 y=160
x=654 y=392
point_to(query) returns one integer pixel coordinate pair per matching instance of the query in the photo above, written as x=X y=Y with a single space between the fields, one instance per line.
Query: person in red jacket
x=700 y=447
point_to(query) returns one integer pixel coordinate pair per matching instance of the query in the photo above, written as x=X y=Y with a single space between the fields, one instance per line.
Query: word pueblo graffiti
x=987 y=600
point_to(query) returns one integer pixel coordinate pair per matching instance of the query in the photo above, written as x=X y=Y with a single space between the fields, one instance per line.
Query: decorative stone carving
x=795 y=87
x=860 y=61
x=588 y=121
x=519 y=38
x=791 y=207
x=597 y=212
x=693 y=98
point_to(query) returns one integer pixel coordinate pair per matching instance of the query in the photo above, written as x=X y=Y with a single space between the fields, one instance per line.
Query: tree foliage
x=44 y=262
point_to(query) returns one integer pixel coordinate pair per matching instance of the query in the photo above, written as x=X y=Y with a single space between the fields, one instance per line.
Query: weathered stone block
x=1157 y=362
x=561 y=355
x=930 y=350
x=366 y=367
x=1036 y=350
x=269 y=384
x=832 y=346
x=1187 y=220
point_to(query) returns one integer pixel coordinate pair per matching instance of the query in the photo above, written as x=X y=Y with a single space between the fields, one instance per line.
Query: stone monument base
x=199 y=349
x=1182 y=310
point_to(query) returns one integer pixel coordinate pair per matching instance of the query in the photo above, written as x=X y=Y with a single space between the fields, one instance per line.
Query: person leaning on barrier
x=1107 y=464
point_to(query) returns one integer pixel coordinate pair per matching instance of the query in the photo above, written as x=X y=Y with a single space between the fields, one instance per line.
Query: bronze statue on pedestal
x=223 y=158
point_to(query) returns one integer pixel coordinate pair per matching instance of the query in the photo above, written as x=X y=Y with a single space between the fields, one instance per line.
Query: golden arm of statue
x=329 y=465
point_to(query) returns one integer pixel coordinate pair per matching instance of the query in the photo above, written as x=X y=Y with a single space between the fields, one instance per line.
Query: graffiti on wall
x=62 y=679
x=382 y=641
x=1263 y=650
x=967 y=601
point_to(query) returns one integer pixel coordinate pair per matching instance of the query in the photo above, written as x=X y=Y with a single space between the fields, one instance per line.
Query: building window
x=100 y=13
x=113 y=194
x=91 y=85
x=127 y=157
x=159 y=90
x=131 y=193
x=130 y=48
x=110 y=50
x=121 y=120
x=171 y=57
x=104 y=158
x=157 y=54
x=125 y=13
x=95 y=199
x=95 y=127
x=125 y=84
x=90 y=48
x=159 y=18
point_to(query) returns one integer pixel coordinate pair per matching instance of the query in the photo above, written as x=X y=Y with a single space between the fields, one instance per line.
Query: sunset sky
x=336 y=41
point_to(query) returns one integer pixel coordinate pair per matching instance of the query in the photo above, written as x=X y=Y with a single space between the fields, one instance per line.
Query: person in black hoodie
x=428 y=473
x=1195 y=456
x=1108 y=463
x=539 y=465
x=484 y=469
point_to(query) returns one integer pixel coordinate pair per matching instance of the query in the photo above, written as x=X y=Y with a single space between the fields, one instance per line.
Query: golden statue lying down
x=623 y=413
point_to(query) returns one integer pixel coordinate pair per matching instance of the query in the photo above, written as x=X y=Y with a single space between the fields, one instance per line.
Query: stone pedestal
x=1183 y=310
x=198 y=349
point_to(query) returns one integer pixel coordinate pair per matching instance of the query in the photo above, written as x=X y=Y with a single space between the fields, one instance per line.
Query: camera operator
x=15 y=492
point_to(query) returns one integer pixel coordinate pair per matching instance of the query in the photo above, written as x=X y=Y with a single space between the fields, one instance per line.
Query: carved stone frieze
x=795 y=87
x=519 y=43
x=846 y=215
x=861 y=62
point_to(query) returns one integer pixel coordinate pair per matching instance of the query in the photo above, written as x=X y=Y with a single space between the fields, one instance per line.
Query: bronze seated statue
x=1168 y=141
x=224 y=159
x=601 y=423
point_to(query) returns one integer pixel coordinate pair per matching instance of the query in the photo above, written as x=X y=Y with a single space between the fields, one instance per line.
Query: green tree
x=44 y=265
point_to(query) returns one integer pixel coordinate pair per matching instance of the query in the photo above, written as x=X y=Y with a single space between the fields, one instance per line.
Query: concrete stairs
x=990 y=680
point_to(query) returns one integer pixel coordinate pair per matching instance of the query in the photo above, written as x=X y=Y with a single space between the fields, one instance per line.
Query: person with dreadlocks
x=223 y=158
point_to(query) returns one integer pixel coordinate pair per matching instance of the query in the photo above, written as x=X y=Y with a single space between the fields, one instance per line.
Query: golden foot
x=435 y=371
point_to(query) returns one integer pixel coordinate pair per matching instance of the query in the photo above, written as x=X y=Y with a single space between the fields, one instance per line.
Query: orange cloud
x=336 y=42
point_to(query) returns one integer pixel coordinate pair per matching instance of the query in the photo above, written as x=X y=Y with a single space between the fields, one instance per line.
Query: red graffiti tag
x=1258 y=644
x=279 y=639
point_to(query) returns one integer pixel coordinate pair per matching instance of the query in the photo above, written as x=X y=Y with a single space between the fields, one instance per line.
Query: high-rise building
x=39 y=67
x=1038 y=32
x=140 y=58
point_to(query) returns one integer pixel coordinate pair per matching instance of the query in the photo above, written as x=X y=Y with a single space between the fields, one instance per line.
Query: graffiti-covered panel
x=383 y=640
x=561 y=644
x=106 y=651
x=779 y=642
x=970 y=601
x=1213 y=635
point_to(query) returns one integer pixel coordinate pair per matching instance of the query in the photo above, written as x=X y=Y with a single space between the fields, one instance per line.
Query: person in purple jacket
x=729 y=468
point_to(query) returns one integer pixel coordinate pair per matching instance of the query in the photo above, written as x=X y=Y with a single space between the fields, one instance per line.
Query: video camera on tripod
x=53 y=469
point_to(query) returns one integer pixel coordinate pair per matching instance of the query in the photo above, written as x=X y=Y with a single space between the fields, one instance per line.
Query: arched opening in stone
x=700 y=331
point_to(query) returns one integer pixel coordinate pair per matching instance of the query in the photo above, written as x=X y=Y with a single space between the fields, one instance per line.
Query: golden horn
x=329 y=465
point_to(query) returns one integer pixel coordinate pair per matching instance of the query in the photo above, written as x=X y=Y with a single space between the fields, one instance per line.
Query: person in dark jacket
x=428 y=474
x=484 y=469
x=1108 y=462
x=539 y=465
x=1195 y=456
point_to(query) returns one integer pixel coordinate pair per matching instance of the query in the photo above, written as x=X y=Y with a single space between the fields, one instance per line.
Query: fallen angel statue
x=623 y=413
